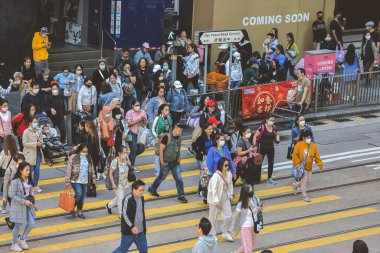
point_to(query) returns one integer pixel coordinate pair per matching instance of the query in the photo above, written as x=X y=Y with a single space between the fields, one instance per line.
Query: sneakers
x=228 y=237
x=191 y=152
x=22 y=243
x=97 y=176
x=271 y=181
x=135 y=170
x=81 y=215
x=16 y=248
x=3 y=210
x=156 y=174
x=109 y=210
x=182 y=200
x=37 y=189
x=153 y=193
x=307 y=199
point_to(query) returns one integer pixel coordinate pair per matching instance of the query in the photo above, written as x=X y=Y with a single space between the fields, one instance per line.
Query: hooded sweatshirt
x=206 y=244
x=40 y=52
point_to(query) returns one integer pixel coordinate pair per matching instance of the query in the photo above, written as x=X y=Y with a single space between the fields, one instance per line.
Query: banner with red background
x=258 y=101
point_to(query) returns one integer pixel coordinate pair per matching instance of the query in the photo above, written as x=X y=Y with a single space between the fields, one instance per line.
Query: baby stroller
x=53 y=147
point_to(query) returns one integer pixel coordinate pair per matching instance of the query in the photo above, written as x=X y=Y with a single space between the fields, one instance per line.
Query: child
x=206 y=243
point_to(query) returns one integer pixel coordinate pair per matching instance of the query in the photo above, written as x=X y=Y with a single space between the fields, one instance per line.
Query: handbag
x=131 y=176
x=289 y=155
x=67 y=91
x=192 y=122
x=66 y=201
x=340 y=54
x=143 y=136
x=110 y=143
x=91 y=190
x=115 y=177
x=204 y=174
x=2 y=170
x=299 y=172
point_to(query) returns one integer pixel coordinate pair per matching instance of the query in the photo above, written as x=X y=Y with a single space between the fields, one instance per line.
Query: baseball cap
x=45 y=30
x=156 y=68
x=146 y=45
x=177 y=84
x=236 y=55
x=223 y=46
x=213 y=120
x=210 y=103
x=252 y=60
x=370 y=23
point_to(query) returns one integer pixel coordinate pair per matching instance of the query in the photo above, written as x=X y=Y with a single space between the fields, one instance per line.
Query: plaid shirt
x=132 y=116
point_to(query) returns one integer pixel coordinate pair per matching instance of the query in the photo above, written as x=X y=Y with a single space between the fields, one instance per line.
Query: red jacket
x=20 y=124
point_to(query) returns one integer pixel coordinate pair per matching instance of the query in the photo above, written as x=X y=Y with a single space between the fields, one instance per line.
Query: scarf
x=106 y=124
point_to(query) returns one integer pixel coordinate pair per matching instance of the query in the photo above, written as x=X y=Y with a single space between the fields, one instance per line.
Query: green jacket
x=249 y=75
x=158 y=126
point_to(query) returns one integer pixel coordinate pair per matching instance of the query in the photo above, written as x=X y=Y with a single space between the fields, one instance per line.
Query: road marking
x=376 y=166
x=153 y=229
x=366 y=159
x=327 y=240
x=275 y=228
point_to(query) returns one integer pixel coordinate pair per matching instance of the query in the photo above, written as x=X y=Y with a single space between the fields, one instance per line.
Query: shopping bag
x=66 y=201
x=143 y=136
x=340 y=54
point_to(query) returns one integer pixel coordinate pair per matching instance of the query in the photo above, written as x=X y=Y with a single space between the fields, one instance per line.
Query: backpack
x=204 y=175
x=157 y=146
x=115 y=177
x=128 y=89
x=258 y=220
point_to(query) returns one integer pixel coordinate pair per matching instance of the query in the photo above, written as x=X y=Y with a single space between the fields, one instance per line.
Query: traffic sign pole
x=205 y=70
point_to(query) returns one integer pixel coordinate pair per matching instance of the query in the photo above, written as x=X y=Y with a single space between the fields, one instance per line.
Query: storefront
x=259 y=17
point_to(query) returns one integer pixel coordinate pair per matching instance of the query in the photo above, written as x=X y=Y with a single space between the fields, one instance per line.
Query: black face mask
x=320 y=18
x=250 y=194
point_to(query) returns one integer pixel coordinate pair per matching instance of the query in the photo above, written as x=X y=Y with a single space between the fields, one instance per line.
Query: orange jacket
x=40 y=52
x=299 y=154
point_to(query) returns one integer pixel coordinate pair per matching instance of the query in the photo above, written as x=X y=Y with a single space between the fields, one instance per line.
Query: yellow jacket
x=40 y=52
x=299 y=154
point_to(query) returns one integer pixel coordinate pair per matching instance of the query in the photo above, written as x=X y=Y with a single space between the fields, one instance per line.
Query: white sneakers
x=307 y=199
x=16 y=248
x=22 y=243
x=3 y=210
x=228 y=237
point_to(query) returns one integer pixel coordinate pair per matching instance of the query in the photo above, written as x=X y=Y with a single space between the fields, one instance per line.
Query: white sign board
x=220 y=37
x=73 y=33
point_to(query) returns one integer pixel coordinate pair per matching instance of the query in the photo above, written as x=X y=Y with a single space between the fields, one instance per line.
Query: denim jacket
x=178 y=101
x=63 y=80
x=153 y=108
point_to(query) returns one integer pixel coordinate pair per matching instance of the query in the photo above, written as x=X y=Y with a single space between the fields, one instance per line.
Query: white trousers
x=120 y=192
x=226 y=213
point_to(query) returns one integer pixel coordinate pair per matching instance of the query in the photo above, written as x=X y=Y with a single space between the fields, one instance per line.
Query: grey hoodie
x=206 y=244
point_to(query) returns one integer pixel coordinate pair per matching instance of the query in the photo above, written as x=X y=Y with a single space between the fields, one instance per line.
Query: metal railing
x=346 y=90
x=102 y=45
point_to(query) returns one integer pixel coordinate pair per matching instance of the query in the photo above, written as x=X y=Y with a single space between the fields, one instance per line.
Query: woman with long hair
x=6 y=155
x=105 y=125
x=143 y=80
x=79 y=173
x=120 y=129
x=75 y=87
x=95 y=150
x=291 y=52
x=56 y=111
x=351 y=68
x=155 y=103
x=32 y=141
x=5 y=121
x=219 y=197
x=243 y=222
x=119 y=180
x=23 y=206
x=191 y=71
x=21 y=122
x=106 y=95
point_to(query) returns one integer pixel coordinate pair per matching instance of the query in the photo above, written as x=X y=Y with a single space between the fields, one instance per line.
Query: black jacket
x=199 y=145
x=129 y=214
x=56 y=103
x=37 y=101
x=98 y=78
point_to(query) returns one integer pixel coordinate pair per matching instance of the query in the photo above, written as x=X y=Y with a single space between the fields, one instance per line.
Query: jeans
x=157 y=165
x=175 y=168
x=135 y=149
x=1 y=143
x=29 y=226
x=36 y=168
x=235 y=84
x=40 y=65
x=65 y=99
x=176 y=117
x=127 y=240
x=270 y=152
x=80 y=191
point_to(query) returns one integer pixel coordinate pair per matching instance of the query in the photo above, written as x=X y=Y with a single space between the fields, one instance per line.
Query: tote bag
x=66 y=201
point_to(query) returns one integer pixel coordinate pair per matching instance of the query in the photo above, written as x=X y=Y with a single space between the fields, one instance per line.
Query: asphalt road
x=345 y=204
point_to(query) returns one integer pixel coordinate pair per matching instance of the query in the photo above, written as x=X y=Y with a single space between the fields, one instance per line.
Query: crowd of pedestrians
x=134 y=105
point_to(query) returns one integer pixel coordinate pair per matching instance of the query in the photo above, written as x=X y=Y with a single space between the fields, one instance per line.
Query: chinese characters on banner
x=112 y=27
x=118 y=19
x=319 y=61
x=258 y=101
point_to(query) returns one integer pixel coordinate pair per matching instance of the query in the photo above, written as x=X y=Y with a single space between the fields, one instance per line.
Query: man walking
x=40 y=45
x=319 y=31
x=170 y=152
x=133 y=225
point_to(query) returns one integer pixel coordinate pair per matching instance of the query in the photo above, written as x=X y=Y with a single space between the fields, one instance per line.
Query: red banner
x=258 y=101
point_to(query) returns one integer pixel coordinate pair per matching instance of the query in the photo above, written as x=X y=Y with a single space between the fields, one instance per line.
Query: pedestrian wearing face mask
x=32 y=142
x=5 y=121
x=319 y=31
x=40 y=46
x=79 y=173
x=34 y=98
x=305 y=151
x=179 y=103
x=155 y=103
x=87 y=96
x=218 y=151
x=369 y=53
x=120 y=129
x=299 y=128
x=66 y=80
x=265 y=137
x=135 y=118
x=101 y=74
x=56 y=111
x=104 y=123
x=75 y=87
x=328 y=43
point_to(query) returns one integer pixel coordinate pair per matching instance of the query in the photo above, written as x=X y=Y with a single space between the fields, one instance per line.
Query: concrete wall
x=245 y=14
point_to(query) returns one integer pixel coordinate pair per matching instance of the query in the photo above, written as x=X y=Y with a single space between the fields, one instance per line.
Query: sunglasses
x=226 y=165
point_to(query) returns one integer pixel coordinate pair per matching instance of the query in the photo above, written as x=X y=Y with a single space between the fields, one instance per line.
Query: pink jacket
x=5 y=123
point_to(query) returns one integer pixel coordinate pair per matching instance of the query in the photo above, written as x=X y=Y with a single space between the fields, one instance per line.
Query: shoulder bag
x=299 y=172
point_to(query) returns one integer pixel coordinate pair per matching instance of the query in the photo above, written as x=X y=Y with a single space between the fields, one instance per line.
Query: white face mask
x=4 y=109
x=270 y=123
x=248 y=135
x=118 y=116
x=35 y=91
x=308 y=141
x=79 y=72
x=302 y=123
x=178 y=89
x=328 y=38
x=368 y=37
x=222 y=143
x=137 y=108
x=54 y=92
x=44 y=35
x=161 y=78
x=102 y=66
